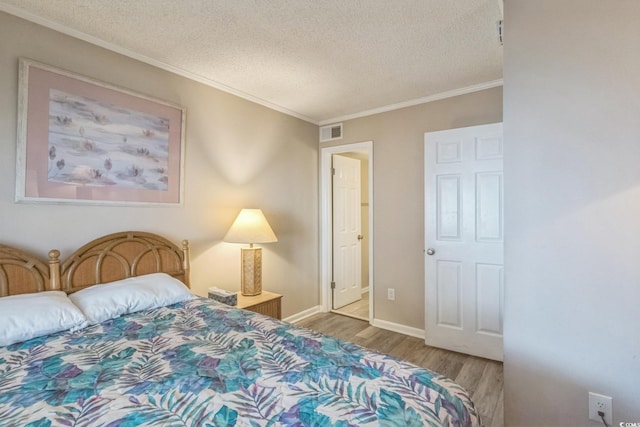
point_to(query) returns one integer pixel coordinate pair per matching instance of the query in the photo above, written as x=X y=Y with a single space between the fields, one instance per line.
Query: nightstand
x=267 y=303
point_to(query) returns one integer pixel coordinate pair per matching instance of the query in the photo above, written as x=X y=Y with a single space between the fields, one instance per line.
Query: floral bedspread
x=201 y=363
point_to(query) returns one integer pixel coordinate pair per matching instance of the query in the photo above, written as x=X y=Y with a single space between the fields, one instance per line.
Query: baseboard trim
x=303 y=314
x=382 y=324
x=364 y=290
x=401 y=329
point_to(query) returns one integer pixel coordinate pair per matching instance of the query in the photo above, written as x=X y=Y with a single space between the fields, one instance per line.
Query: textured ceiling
x=317 y=59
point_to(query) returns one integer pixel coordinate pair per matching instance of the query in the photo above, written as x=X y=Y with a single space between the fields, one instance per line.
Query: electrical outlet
x=599 y=402
x=391 y=294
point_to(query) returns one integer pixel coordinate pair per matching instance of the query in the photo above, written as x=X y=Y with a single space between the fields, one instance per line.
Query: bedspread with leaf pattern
x=201 y=363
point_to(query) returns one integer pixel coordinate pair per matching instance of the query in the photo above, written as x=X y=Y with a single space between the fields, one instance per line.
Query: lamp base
x=251 y=281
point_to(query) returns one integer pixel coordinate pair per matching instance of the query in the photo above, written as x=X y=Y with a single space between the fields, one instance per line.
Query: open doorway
x=333 y=298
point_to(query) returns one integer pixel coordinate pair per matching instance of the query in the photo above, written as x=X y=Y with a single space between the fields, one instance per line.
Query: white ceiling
x=319 y=60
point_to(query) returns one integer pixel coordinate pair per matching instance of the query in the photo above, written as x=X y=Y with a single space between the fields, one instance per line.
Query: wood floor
x=481 y=377
x=358 y=309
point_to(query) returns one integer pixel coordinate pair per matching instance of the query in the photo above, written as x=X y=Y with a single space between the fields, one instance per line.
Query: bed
x=196 y=362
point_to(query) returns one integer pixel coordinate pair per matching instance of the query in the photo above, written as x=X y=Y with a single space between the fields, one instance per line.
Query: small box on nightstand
x=225 y=297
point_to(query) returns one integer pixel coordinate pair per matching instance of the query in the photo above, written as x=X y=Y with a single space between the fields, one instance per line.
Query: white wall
x=238 y=154
x=572 y=193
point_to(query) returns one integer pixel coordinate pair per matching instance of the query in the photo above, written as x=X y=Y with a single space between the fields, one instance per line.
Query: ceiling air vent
x=331 y=132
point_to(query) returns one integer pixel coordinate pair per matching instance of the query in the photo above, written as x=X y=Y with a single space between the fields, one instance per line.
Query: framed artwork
x=82 y=141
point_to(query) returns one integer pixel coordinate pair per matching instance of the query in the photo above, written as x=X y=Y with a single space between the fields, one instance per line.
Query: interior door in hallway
x=347 y=255
x=464 y=240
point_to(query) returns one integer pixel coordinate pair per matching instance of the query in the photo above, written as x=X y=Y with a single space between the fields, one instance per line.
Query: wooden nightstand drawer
x=267 y=303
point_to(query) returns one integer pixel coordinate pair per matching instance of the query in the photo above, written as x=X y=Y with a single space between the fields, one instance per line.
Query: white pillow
x=27 y=316
x=111 y=300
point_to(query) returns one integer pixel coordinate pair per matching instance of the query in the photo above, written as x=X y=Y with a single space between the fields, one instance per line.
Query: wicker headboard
x=21 y=273
x=119 y=256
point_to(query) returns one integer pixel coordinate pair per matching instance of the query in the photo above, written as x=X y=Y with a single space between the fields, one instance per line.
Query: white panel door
x=464 y=240
x=347 y=252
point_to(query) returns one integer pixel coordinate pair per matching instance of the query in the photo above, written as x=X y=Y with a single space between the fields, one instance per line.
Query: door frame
x=326 y=222
x=349 y=248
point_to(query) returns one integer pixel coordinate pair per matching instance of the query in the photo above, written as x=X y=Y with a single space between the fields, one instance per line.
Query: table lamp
x=251 y=227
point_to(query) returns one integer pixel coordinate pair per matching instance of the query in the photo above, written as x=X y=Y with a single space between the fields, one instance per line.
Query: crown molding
x=12 y=10
x=20 y=13
x=413 y=102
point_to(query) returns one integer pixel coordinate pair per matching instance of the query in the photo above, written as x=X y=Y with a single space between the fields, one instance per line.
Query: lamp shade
x=250 y=227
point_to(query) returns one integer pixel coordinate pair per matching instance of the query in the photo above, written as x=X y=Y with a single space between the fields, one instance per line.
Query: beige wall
x=398 y=192
x=238 y=154
x=572 y=210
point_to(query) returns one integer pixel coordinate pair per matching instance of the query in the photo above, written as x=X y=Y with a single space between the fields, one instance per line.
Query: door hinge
x=333 y=171
x=333 y=285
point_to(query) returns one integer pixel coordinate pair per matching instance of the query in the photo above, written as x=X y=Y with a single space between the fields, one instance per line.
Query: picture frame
x=83 y=141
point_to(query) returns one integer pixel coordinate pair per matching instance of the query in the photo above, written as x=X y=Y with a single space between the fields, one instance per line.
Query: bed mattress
x=202 y=363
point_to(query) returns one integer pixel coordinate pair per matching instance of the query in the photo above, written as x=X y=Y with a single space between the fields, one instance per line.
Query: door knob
x=360 y=237
x=431 y=251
